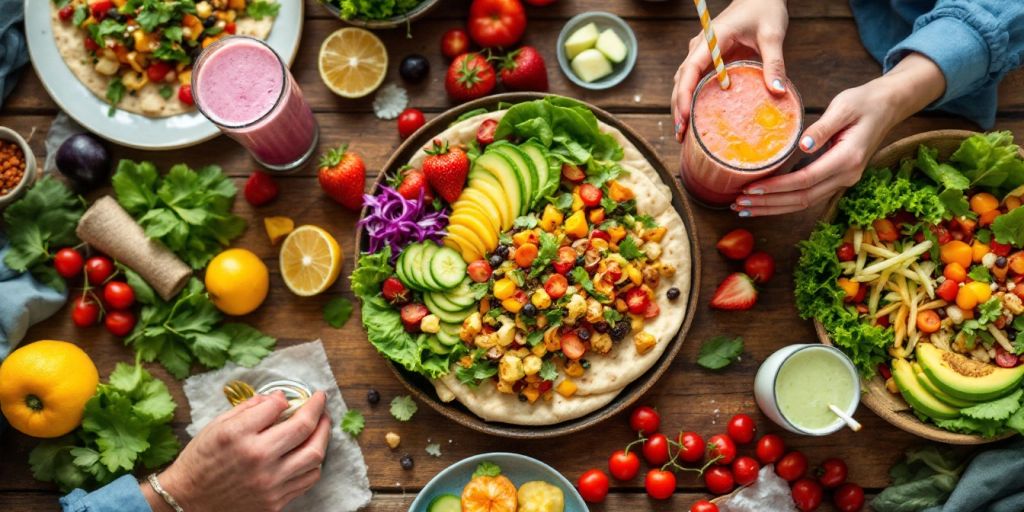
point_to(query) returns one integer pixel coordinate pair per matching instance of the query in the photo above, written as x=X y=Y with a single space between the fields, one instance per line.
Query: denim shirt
x=974 y=42
x=121 y=495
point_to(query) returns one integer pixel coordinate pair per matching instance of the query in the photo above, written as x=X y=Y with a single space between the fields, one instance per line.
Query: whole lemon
x=44 y=387
x=237 y=281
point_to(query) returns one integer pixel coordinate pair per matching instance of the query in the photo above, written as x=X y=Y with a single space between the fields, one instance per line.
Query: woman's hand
x=751 y=25
x=245 y=460
x=855 y=122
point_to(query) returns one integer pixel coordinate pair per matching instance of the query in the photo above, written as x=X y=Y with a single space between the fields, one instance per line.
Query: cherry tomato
x=556 y=285
x=807 y=495
x=230 y=28
x=656 y=450
x=770 y=448
x=118 y=295
x=67 y=12
x=703 y=506
x=722 y=446
x=845 y=252
x=719 y=480
x=947 y=290
x=572 y=347
x=645 y=420
x=565 y=259
x=99 y=8
x=760 y=266
x=573 y=173
x=1006 y=359
x=593 y=486
x=637 y=301
x=623 y=465
x=157 y=71
x=84 y=311
x=831 y=473
x=885 y=230
x=590 y=195
x=848 y=498
x=410 y=120
x=479 y=271
x=91 y=44
x=454 y=42
x=68 y=262
x=660 y=484
x=98 y=269
x=792 y=466
x=691 y=447
x=741 y=428
x=485 y=133
x=185 y=95
x=120 y=323
x=745 y=469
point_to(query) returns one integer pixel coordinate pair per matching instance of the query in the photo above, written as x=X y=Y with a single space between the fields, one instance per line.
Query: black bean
x=210 y=21
x=373 y=397
x=601 y=327
x=1001 y=262
x=620 y=330
x=583 y=333
x=672 y=293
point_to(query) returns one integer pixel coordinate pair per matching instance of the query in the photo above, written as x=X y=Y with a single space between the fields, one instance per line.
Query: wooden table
x=824 y=56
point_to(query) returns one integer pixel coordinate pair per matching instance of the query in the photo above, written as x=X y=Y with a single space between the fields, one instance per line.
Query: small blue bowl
x=518 y=468
x=603 y=20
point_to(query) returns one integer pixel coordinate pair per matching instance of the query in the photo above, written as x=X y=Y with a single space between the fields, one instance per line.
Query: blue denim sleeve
x=975 y=43
x=121 y=495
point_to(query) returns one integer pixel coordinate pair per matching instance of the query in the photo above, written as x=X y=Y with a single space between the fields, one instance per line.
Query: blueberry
x=672 y=293
x=502 y=251
x=1001 y=262
x=583 y=333
x=210 y=21
x=620 y=330
x=406 y=462
x=496 y=261
x=373 y=397
x=529 y=309
x=414 y=68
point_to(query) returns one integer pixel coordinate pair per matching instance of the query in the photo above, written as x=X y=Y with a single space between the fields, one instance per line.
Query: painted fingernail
x=756 y=192
x=744 y=213
x=807 y=143
x=679 y=127
x=777 y=85
x=744 y=202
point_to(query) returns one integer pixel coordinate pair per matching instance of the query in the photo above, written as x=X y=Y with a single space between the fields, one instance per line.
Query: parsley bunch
x=189 y=211
x=126 y=423
x=39 y=223
x=176 y=333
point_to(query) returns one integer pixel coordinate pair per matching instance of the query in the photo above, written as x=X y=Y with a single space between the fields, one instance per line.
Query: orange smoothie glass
x=738 y=135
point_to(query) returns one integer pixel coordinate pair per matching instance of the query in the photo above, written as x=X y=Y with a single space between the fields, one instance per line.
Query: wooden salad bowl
x=423 y=390
x=890 y=407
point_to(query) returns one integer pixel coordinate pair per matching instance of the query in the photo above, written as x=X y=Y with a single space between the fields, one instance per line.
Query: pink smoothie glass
x=738 y=135
x=244 y=88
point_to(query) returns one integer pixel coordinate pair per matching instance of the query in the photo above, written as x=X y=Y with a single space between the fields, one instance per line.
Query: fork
x=238 y=391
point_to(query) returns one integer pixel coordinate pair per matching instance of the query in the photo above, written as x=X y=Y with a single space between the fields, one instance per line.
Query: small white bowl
x=767 y=399
x=9 y=135
x=603 y=20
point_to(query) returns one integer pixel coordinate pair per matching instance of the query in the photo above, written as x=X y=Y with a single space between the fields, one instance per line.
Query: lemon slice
x=353 y=62
x=310 y=260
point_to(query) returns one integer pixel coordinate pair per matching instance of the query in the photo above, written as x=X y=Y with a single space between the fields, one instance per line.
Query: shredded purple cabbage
x=396 y=221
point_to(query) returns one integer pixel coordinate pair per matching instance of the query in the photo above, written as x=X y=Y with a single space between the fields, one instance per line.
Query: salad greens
x=127 y=422
x=924 y=478
x=373 y=9
x=39 y=223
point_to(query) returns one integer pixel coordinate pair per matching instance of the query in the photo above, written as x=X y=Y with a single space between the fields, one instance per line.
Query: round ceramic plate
x=518 y=468
x=126 y=128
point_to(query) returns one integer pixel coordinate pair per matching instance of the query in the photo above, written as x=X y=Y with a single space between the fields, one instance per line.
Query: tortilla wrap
x=146 y=101
x=608 y=373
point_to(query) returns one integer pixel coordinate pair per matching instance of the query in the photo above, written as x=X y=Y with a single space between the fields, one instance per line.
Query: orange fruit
x=237 y=281
x=489 y=494
x=44 y=387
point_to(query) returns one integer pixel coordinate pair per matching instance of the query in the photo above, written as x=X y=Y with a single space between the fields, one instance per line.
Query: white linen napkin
x=343 y=486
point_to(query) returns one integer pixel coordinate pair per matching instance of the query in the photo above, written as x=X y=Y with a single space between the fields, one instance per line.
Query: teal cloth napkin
x=13 y=50
x=23 y=302
x=993 y=482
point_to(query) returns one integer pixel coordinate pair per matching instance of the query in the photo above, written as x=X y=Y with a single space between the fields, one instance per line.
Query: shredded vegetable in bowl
x=394 y=221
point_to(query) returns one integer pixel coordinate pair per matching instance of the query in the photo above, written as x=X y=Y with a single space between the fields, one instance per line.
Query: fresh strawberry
x=736 y=244
x=446 y=169
x=410 y=183
x=469 y=77
x=394 y=291
x=485 y=133
x=412 y=314
x=342 y=175
x=524 y=70
x=760 y=266
x=260 y=188
x=736 y=293
x=185 y=95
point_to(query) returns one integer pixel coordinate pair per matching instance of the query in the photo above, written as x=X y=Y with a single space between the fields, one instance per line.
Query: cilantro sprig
x=39 y=223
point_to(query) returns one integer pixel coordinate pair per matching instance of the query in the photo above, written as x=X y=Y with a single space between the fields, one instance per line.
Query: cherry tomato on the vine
x=770 y=448
x=656 y=450
x=660 y=484
x=84 y=311
x=848 y=498
x=593 y=486
x=119 y=323
x=807 y=495
x=703 y=506
x=722 y=446
x=719 y=480
x=118 y=295
x=645 y=420
x=745 y=469
x=792 y=466
x=68 y=262
x=98 y=269
x=741 y=428
x=623 y=465
x=832 y=473
x=691 y=447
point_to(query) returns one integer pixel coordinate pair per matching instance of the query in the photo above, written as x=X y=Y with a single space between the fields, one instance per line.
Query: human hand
x=242 y=460
x=856 y=122
x=751 y=25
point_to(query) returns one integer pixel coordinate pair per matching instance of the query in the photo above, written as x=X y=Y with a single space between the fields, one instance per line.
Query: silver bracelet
x=171 y=502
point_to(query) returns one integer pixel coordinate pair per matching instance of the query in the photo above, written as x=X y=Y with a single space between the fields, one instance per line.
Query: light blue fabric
x=23 y=302
x=13 y=51
x=974 y=42
x=992 y=483
x=121 y=495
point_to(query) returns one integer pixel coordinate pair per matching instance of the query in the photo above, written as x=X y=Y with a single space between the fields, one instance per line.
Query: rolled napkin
x=13 y=51
x=343 y=486
x=107 y=227
x=23 y=301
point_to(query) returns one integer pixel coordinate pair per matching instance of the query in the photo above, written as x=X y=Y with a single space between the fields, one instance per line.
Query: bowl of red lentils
x=17 y=166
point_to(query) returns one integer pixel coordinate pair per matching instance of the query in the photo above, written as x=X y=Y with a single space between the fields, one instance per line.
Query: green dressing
x=808 y=382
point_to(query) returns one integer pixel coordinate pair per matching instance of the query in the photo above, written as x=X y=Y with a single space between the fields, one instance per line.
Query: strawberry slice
x=736 y=244
x=736 y=293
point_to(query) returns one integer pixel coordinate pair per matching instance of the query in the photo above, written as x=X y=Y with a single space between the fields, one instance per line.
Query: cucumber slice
x=446 y=316
x=422 y=269
x=400 y=270
x=437 y=346
x=445 y=503
x=447 y=268
x=410 y=256
x=461 y=295
x=447 y=338
x=438 y=301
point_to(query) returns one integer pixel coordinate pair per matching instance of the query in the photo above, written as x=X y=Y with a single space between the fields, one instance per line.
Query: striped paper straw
x=709 y=36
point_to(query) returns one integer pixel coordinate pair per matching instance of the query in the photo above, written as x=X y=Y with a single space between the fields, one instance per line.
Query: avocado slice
x=917 y=396
x=965 y=378
x=526 y=171
x=547 y=175
x=934 y=390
